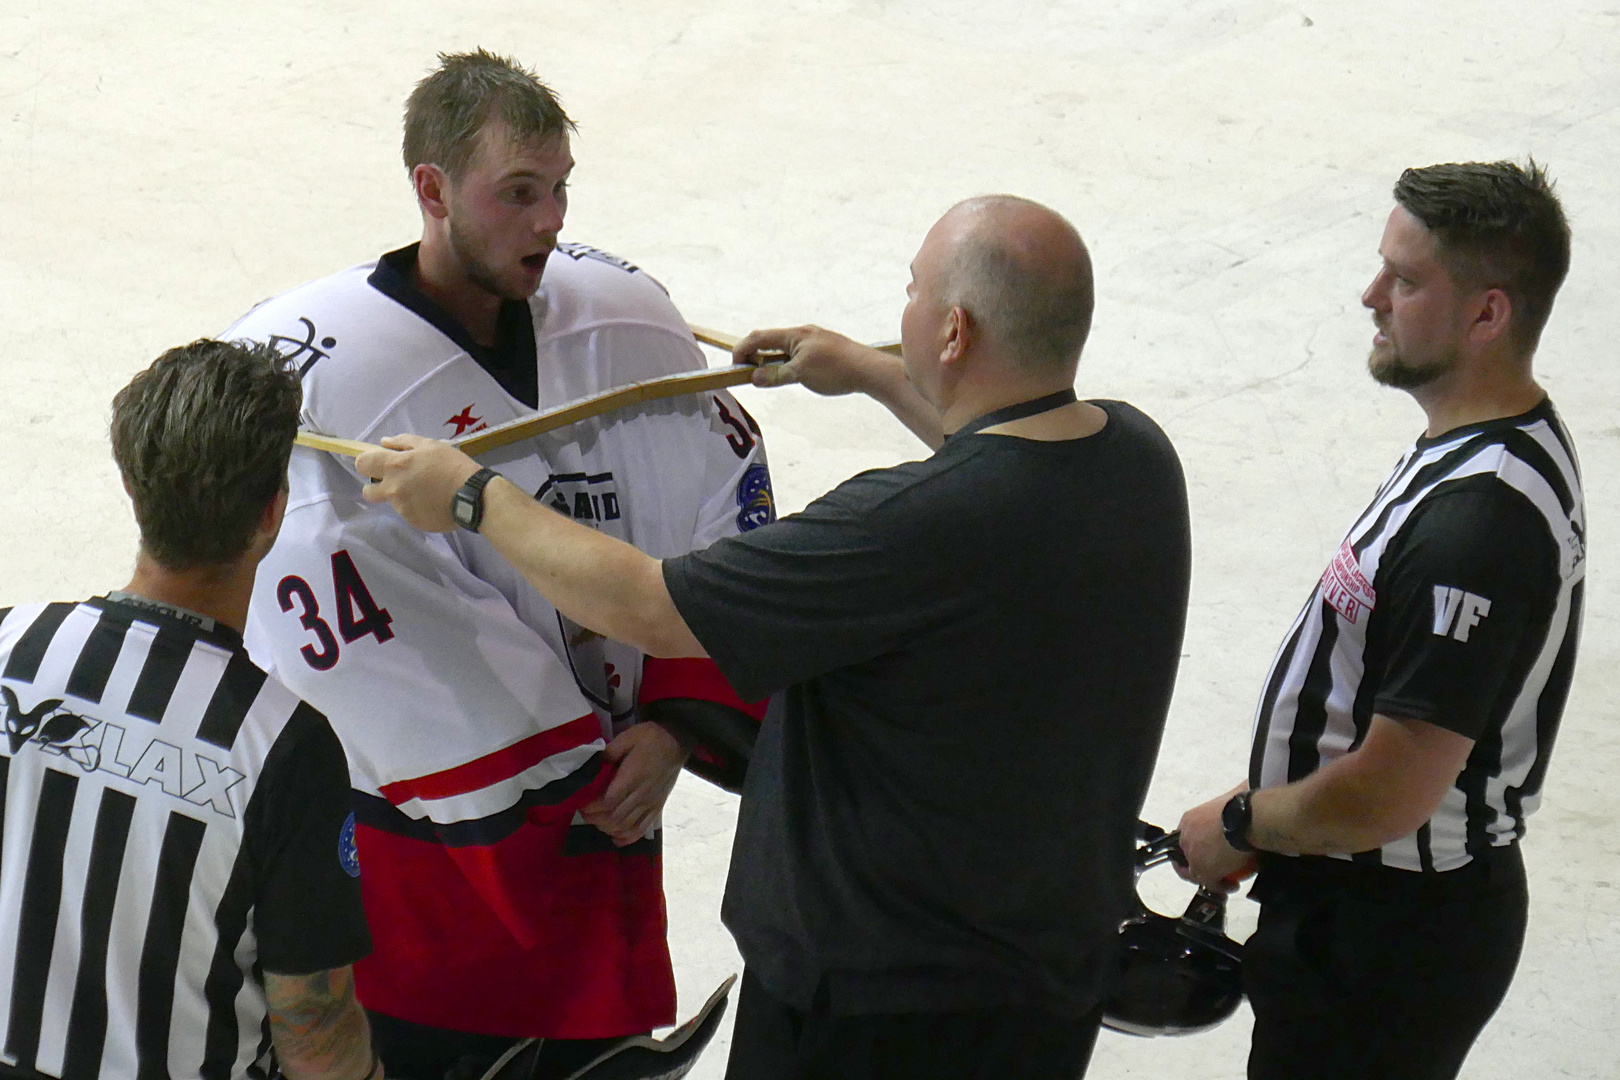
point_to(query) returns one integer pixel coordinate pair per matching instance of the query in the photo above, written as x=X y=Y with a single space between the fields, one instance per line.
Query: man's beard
x=1394 y=370
x=476 y=269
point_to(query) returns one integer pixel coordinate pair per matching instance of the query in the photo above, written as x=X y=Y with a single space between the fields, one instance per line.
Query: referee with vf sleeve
x=179 y=894
x=971 y=658
x=1405 y=729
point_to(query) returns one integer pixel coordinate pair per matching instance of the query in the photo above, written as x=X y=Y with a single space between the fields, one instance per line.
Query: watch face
x=467 y=504
x=463 y=509
x=1232 y=812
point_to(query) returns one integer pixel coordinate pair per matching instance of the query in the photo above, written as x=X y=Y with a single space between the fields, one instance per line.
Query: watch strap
x=1236 y=817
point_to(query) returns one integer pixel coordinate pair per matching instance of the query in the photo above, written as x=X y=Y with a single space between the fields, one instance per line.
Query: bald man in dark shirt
x=970 y=659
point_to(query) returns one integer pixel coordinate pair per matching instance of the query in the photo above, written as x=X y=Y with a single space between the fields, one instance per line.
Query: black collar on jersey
x=202 y=622
x=510 y=362
x=146 y=609
x=1017 y=412
x=1543 y=410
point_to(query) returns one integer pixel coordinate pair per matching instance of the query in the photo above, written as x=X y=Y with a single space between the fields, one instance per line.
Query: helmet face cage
x=1175 y=976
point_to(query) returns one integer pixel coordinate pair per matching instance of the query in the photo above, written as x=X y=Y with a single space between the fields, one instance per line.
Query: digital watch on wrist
x=1236 y=817
x=467 y=504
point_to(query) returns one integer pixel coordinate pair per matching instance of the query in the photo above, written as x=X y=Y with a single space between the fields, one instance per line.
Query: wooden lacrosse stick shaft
x=717 y=338
x=688 y=382
x=317 y=441
x=722 y=340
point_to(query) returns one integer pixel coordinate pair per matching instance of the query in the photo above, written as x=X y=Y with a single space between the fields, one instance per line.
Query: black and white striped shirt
x=1455 y=599
x=173 y=817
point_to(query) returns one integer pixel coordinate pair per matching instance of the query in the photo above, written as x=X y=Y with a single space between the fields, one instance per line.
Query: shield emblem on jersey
x=754 y=498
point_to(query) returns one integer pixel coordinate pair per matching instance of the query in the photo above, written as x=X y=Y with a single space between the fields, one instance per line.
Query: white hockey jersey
x=473 y=714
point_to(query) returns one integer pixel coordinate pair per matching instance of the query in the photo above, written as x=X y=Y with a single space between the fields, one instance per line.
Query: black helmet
x=1176 y=976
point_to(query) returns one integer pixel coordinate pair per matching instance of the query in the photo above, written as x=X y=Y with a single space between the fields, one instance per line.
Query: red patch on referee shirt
x=1344 y=588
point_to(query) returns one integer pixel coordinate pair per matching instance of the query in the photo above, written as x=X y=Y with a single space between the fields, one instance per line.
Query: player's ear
x=432 y=190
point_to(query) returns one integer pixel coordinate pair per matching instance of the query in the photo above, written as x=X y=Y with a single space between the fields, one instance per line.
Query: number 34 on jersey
x=353 y=610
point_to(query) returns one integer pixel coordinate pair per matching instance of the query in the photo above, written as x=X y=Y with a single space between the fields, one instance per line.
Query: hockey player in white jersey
x=508 y=795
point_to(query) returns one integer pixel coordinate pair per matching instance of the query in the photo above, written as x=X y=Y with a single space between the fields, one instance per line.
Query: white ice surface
x=166 y=164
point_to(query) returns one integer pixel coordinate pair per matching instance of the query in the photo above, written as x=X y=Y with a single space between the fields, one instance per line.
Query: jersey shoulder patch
x=348 y=850
x=756 y=505
x=585 y=251
x=357 y=351
x=586 y=290
x=308 y=323
x=585 y=257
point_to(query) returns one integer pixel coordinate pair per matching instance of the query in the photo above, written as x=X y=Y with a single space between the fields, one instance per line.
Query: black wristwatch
x=1236 y=817
x=467 y=504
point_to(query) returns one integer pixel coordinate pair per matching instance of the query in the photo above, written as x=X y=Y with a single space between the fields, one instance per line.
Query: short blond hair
x=448 y=109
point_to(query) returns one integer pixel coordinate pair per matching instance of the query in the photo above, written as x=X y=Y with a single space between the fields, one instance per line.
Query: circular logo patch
x=348 y=852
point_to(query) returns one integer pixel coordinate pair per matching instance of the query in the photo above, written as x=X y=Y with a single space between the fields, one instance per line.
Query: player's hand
x=1211 y=861
x=819 y=360
x=650 y=761
x=418 y=476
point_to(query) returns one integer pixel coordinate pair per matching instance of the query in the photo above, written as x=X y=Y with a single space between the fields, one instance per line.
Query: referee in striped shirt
x=1406 y=725
x=179 y=894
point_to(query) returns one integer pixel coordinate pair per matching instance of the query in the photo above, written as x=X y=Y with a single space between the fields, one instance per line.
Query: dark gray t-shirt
x=971 y=657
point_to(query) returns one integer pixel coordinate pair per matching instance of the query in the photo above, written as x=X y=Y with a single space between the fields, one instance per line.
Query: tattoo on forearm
x=318 y=1027
x=1275 y=839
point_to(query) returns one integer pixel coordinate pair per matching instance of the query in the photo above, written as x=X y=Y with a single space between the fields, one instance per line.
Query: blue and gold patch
x=755 y=499
x=348 y=850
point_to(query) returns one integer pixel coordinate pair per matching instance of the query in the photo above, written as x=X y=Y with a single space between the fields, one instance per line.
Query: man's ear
x=959 y=334
x=1493 y=317
x=432 y=190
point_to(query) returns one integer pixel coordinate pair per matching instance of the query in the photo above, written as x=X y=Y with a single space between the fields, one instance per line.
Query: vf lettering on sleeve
x=1456 y=612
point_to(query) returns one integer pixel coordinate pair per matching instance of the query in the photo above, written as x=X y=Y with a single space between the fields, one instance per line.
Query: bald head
x=1023 y=275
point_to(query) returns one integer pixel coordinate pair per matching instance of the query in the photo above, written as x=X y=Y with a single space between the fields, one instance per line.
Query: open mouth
x=537 y=261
